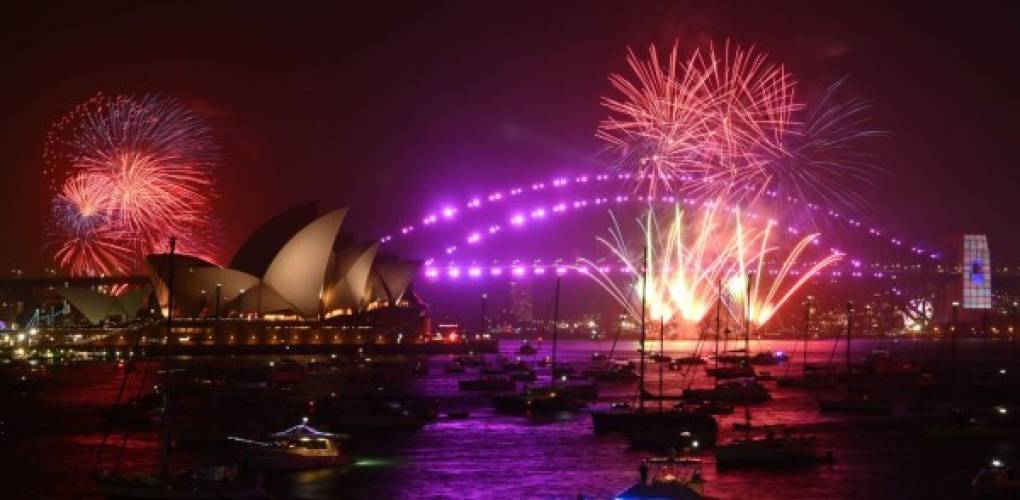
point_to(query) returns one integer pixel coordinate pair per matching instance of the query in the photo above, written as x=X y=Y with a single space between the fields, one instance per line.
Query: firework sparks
x=724 y=123
x=718 y=257
x=127 y=174
x=715 y=117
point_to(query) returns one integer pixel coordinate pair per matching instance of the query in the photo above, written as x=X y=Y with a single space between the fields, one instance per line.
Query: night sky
x=395 y=109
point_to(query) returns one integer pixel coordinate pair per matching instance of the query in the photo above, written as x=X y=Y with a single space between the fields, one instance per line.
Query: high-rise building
x=977 y=272
x=521 y=305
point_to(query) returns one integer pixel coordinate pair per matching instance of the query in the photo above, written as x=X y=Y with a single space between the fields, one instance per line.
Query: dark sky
x=393 y=107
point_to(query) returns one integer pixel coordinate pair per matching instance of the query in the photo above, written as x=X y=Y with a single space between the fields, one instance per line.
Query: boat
x=469 y=359
x=815 y=377
x=420 y=369
x=998 y=480
x=455 y=367
x=300 y=447
x=746 y=390
x=491 y=370
x=515 y=366
x=677 y=478
x=960 y=425
x=731 y=371
x=536 y=400
x=487 y=383
x=378 y=416
x=662 y=438
x=286 y=372
x=763 y=358
x=629 y=419
x=772 y=450
x=527 y=349
x=616 y=372
x=598 y=357
x=659 y=358
x=680 y=362
x=856 y=403
x=528 y=376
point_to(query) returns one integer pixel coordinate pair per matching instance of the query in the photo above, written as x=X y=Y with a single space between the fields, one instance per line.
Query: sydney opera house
x=298 y=278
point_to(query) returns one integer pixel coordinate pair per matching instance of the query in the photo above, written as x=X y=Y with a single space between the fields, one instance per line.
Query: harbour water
x=52 y=438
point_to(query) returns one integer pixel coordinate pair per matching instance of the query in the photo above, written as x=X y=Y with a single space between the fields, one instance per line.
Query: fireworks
x=724 y=124
x=128 y=173
x=718 y=260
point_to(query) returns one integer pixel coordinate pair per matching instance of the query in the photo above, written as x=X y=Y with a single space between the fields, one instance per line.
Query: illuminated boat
x=300 y=447
x=676 y=478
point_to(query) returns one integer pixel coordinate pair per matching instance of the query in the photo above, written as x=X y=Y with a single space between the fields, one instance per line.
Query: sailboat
x=741 y=389
x=856 y=401
x=628 y=419
x=214 y=482
x=771 y=450
x=812 y=377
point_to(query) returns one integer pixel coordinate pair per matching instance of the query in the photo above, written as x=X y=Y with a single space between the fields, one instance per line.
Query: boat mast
x=718 y=317
x=747 y=319
x=849 y=334
x=556 y=324
x=807 y=327
x=644 y=294
x=164 y=445
x=662 y=354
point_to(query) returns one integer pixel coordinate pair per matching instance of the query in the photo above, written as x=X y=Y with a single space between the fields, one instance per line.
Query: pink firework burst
x=128 y=173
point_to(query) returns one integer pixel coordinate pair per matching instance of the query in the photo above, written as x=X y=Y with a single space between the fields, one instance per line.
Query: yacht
x=297 y=448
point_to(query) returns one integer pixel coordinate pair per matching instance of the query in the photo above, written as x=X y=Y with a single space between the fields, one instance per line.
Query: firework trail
x=724 y=123
x=126 y=174
x=717 y=257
